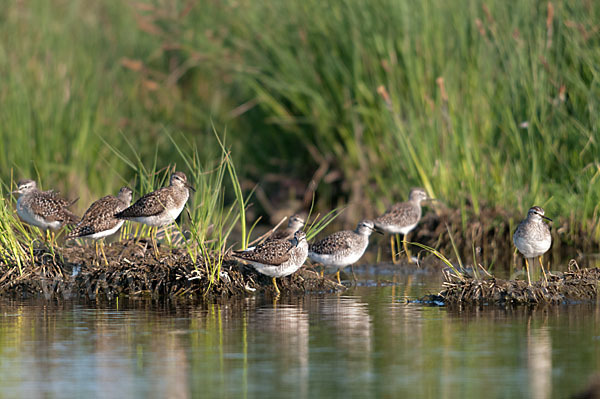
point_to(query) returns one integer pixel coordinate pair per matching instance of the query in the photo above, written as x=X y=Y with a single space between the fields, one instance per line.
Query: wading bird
x=533 y=239
x=402 y=218
x=277 y=258
x=342 y=248
x=160 y=207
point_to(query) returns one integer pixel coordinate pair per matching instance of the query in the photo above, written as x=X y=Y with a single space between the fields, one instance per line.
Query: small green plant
x=211 y=222
x=16 y=247
x=440 y=256
x=319 y=223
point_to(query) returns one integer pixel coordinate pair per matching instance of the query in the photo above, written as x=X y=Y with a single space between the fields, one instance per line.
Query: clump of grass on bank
x=210 y=221
x=203 y=229
x=16 y=242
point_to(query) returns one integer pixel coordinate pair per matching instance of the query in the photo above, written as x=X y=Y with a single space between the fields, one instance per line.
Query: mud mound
x=134 y=270
x=575 y=285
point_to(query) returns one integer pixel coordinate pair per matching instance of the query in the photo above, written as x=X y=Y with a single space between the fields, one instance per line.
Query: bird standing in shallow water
x=99 y=220
x=343 y=248
x=401 y=218
x=43 y=209
x=533 y=239
x=277 y=258
x=160 y=207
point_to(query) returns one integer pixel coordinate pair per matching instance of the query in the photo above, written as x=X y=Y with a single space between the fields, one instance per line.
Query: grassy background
x=483 y=103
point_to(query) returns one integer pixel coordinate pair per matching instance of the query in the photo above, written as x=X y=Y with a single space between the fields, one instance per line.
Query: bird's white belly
x=333 y=260
x=35 y=220
x=404 y=230
x=106 y=233
x=394 y=229
x=532 y=249
x=339 y=260
x=162 y=219
x=174 y=212
x=285 y=269
x=270 y=270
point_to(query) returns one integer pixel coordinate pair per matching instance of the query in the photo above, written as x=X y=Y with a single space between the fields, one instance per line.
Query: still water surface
x=365 y=342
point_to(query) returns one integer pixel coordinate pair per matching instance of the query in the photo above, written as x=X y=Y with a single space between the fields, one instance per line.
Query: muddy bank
x=573 y=286
x=134 y=270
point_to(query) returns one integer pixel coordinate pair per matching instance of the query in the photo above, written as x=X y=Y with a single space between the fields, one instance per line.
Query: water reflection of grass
x=312 y=346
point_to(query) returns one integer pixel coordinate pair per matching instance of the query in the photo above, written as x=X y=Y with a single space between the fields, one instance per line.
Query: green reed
x=483 y=103
x=16 y=240
x=477 y=106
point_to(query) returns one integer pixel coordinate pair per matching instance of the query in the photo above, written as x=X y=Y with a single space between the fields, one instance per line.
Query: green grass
x=483 y=103
x=16 y=242
x=207 y=220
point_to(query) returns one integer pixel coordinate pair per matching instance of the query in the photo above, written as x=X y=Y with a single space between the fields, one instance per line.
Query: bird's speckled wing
x=151 y=204
x=401 y=213
x=273 y=252
x=52 y=208
x=55 y=195
x=331 y=244
x=99 y=217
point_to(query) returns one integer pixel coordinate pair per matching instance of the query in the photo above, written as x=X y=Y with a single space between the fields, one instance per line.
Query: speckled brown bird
x=401 y=218
x=100 y=220
x=532 y=238
x=342 y=248
x=277 y=258
x=160 y=207
x=43 y=209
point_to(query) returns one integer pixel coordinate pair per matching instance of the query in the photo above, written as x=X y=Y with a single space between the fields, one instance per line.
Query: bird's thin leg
x=154 y=244
x=354 y=280
x=97 y=254
x=338 y=277
x=543 y=271
x=406 y=248
x=392 y=240
x=527 y=267
x=103 y=254
x=276 y=288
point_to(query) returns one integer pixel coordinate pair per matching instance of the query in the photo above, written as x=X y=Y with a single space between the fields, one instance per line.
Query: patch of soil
x=134 y=270
x=574 y=285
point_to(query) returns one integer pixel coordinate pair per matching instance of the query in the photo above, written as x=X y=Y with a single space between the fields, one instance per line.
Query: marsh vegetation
x=273 y=106
x=334 y=108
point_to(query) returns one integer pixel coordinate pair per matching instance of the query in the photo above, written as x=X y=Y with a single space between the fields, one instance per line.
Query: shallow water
x=365 y=342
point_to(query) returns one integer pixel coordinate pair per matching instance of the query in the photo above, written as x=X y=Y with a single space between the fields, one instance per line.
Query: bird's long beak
x=547 y=218
x=376 y=230
x=15 y=192
x=190 y=187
